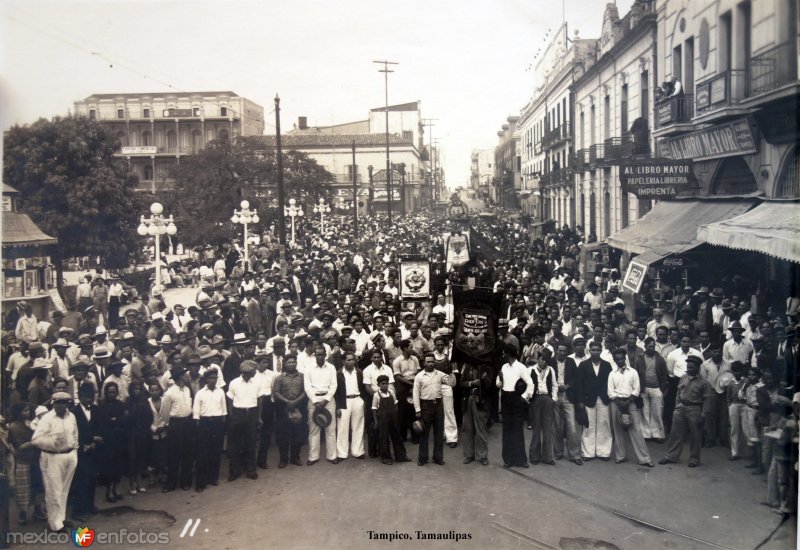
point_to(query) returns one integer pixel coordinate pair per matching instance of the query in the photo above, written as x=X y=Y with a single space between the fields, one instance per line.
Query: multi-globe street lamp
x=293 y=211
x=322 y=208
x=245 y=216
x=155 y=226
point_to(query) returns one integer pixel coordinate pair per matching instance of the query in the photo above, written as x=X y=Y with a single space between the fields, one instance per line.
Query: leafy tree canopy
x=74 y=188
x=210 y=185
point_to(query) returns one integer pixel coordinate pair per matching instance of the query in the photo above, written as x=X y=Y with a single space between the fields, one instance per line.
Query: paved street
x=562 y=506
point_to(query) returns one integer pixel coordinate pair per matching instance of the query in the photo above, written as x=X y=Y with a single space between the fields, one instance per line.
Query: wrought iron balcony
x=773 y=68
x=557 y=135
x=582 y=159
x=720 y=90
x=674 y=110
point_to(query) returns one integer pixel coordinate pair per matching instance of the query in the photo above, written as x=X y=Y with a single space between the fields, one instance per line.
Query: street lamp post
x=155 y=226
x=245 y=216
x=293 y=211
x=321 y=208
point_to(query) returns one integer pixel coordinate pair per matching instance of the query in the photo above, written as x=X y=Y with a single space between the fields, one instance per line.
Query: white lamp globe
x=156 y=208
x=245 y=205
x=142 y=230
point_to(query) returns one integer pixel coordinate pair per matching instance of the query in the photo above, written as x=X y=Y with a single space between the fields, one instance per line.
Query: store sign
x=656 y=178
x=415 y=279
x=723 y=140
x=179 y=113
x=677 y=262
x=141 y=150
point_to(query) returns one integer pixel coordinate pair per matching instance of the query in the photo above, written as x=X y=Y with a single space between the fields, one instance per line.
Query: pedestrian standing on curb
x=516 y=388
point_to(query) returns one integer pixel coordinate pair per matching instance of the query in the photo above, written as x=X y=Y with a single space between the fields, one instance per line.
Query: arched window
x=733 y=177
x=787 y=185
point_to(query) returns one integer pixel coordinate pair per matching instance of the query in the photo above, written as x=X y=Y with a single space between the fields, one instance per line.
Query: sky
x=467 y=61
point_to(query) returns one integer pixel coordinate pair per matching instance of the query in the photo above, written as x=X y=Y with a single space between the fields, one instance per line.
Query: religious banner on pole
x=456 y=247
x=475 y=327
x=415 y=280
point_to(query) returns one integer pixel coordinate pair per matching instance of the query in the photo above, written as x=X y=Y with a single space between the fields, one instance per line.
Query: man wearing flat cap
x=56 y=435
x=692 y=407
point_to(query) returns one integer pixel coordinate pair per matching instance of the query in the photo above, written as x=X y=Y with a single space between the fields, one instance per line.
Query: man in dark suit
x=85 y=481
x=566 y=427
x=350 y=395
x=591 y=394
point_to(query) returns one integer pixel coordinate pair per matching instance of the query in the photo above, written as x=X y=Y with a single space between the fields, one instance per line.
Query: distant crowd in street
x=321 y=352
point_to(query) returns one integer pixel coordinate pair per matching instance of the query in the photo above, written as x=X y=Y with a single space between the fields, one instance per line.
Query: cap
x=101 y=353
x=41 y=363
x=59 y=396
x=248 y=366
x=694 y=359
x=240 y=338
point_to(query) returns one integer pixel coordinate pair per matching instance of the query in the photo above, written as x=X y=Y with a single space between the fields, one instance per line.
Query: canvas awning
x=671 y=226
x=19 y=230
x=772 y=227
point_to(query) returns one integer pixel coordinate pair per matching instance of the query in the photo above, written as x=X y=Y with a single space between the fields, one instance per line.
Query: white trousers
x=352 y=419
x=330 y=433
x=596 y=440
x=450 y=426
x=57 y=471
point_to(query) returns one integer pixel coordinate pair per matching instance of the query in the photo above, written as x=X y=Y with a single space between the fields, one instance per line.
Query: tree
x=210 y=185
x=73 y=187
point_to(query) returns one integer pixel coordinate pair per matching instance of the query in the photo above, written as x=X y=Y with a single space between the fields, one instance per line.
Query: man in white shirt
x=445 y=309
x=623 y=389
x=542 y=419
x=176 y=413
x=513 y=400
x=320 y=386
x=349 y=409
x=209 y=412
x=676 y=366
x=56 y=435
x=245 y=393
x=738 y=348
x=265 y=376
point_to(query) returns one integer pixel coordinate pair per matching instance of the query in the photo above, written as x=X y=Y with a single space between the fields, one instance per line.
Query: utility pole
x=355 y=195
x=429 y=123
x=386 y=72
x=279 y=154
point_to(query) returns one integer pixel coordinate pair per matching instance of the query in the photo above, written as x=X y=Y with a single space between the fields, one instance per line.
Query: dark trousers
x=514 y=409
x=669 y=402
x=389 y=437
x=371 y=429
x=716 y=426
x=685 y=422
x=289 y=436
x=242 y=434
x=405 y=411
x=265 y=433
x=493 y=399
x=210 y=435
x=84 y=484
x=432 y=417
x=179 y=452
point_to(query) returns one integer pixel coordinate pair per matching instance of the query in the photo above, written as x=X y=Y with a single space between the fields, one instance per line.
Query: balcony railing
x=673 y=110
x=597 y=155
x=613 y=150
x=721 y=90
x=772 y=69
x=556 y=135
x=582 y=159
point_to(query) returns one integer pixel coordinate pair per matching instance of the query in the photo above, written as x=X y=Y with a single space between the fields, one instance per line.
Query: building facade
x=481 y=170
x=612 y=101
x=156 y=130
x=507 y=180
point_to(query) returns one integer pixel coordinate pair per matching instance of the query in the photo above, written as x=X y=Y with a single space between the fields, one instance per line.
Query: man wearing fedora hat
x=231 y=364
x=738 y=348
x=61 y=362
x=80 y=376
x=25 y=373
x=41 y=388
x=56 y=435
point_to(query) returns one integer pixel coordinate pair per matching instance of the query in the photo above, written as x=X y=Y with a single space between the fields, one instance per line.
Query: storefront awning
x=771 y=227
x=19 y=230
x=671 y=226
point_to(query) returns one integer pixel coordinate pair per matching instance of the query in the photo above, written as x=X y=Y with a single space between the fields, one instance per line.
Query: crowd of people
x=319 y=350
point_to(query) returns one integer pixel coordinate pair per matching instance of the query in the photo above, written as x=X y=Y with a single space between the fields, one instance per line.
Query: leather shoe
x=693 y=465
x=262 y=465
x=335 y=460
x=621 y=460
x=666 y=461
x=604 y=458
x=199 y=489
x=468 y=460
x=506 y=465
x=387 y=461
x=452 y=445
x=253 y=475
x=296 y=462
x=439 y=462
x=234 y=477
x=167 y=489
x=485 y=461
x=310 y=462
x=578 y=461
x=404 y=459
x=524 y=465
x=734 y=458
x=282 y=464
x=186 y=487
x=359 y=457
x=550 y=462
x=421 y=462
x=648 y=464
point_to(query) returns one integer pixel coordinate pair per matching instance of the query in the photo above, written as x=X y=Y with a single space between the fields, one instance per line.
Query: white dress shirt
x=209 y=403
x=676 y=361
x=623 y=382
x=512 y=373
x=56 y=434
x=245 y=394
x=320 y=382
x=176 y=403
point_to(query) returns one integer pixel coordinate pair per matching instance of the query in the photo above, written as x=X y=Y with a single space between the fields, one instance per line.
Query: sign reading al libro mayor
x=723 y=140
x=656 y=178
